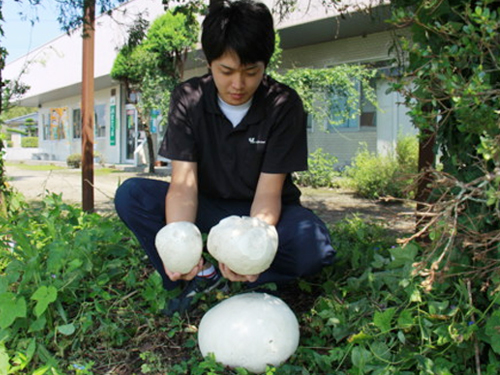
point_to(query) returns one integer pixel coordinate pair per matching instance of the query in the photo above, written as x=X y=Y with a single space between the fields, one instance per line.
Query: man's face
x=236 y=83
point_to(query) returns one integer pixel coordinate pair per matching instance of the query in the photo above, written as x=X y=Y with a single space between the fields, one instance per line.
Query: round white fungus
x=246 y=245
x=179 y=245
x=249 y=330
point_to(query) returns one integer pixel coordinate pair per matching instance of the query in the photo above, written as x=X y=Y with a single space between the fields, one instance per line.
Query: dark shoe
x=193 y=290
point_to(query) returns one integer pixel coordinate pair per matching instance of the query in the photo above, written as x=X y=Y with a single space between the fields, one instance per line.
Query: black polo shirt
x=271 y=138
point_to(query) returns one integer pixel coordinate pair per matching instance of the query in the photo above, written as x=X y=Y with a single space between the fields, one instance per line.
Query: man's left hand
x=232 y=276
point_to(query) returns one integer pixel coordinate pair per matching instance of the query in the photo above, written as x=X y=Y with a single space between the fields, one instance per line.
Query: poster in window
x=58 y=123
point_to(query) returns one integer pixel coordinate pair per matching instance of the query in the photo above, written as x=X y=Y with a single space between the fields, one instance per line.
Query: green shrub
x=374 y=176
x=99 y=158
x=69 y=282
x=29 y=142
x=375 y=316
x=321 y=172
x=74 y=160
x=407 y=154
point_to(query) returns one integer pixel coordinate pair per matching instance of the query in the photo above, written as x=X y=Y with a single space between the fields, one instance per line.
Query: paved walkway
x=36 y=184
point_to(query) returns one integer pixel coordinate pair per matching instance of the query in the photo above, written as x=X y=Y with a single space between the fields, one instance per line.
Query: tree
x=72 y=14
x=151 y=63
x=31 y=127
x=452 y=87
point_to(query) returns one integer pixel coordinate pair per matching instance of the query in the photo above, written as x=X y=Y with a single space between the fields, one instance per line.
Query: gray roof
x=17 y=121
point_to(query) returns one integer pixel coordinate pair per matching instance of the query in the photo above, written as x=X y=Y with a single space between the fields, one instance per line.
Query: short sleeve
x=286 y=150
x=179 y=141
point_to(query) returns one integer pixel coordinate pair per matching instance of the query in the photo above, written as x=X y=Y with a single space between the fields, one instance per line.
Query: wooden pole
x=88 y=107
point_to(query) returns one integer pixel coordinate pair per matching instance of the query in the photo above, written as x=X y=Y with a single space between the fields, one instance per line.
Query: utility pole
x=88 y=107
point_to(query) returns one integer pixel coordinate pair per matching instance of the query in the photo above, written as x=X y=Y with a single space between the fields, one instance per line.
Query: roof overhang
x=339 y=26
x=358 y=23
x=100 y=83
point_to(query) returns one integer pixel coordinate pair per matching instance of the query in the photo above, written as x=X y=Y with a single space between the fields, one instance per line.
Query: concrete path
x=36 y=184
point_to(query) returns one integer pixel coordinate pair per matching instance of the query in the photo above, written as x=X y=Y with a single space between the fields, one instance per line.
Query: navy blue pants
x=304 y=242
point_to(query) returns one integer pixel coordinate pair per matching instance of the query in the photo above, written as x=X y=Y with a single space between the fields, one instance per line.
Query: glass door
x=131 y=132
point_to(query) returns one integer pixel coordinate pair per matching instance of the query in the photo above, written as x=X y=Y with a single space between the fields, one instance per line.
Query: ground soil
x=331 y=205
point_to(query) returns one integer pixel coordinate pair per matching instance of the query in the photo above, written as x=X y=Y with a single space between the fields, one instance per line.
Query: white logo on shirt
x=256 y=141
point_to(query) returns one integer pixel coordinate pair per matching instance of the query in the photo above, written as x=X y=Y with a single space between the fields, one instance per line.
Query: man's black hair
x=243 y=26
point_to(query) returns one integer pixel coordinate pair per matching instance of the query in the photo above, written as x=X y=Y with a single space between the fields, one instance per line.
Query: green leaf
x=11 y=308
x=360 y=357
x=4 y=284
x=44 y=296
x=492 y=329
x=67 y=329
x=403 y=255
x=42 y=370
x=38 y=324
x=405 y=319
x=382 y=320
x=4 y=361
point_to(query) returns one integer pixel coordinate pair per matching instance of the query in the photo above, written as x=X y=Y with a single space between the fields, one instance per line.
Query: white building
x=312 y=37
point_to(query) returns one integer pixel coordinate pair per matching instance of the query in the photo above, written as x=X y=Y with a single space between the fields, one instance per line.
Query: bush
x=321 y=172
x=69 y=282
x=74 y=160
x=29 y=142
x=98 y=158
x=374 y=176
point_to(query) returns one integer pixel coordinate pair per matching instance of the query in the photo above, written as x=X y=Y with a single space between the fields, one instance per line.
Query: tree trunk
x=151 y=151
x=144 y=120
x=3 y=178
x=426 y=159
x=88 y=107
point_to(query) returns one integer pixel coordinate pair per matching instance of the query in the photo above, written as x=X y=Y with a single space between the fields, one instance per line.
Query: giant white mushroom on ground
x=246 y=245
x=179 y=245
x=250 y=330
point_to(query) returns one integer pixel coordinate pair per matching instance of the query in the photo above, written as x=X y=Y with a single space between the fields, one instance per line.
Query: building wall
x=391 y=117
x=342 y=145
x=57 y=65
x=52 y=126
x=55 y=72
x=369 y=48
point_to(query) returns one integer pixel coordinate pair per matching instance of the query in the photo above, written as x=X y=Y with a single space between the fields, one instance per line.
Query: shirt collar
x=256 y=112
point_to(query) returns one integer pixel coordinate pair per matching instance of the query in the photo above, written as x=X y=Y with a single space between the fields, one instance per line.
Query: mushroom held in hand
x=179 y=245
x=246 y=245
x=249 y=330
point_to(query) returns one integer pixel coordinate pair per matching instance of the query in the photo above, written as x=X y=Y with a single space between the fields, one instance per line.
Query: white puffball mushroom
x=179 y=245
x=246 y=245
x=249 y=330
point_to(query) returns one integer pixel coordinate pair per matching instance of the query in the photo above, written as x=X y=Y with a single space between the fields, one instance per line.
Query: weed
x=77 y=297
x=321 y=171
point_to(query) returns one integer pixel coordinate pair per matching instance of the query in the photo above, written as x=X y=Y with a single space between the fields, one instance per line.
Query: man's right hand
x=175 y=276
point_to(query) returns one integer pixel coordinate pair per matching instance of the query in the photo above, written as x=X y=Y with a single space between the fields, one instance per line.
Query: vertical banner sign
x=154 y=121
x=112 y=121
x=58 y=123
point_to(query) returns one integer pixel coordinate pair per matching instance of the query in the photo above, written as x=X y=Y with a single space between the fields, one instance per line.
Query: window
x=368 y=110
x=310 y=123
x=46 y=127
x=351 y=112
x=343 y=109
x=77 y=123
x=100 y=120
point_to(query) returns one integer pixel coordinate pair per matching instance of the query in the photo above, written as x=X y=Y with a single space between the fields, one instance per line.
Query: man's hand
x=232 y=276
x=175 y=276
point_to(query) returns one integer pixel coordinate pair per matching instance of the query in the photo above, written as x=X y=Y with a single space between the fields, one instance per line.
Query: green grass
x=50 y=167
x=36 y=167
